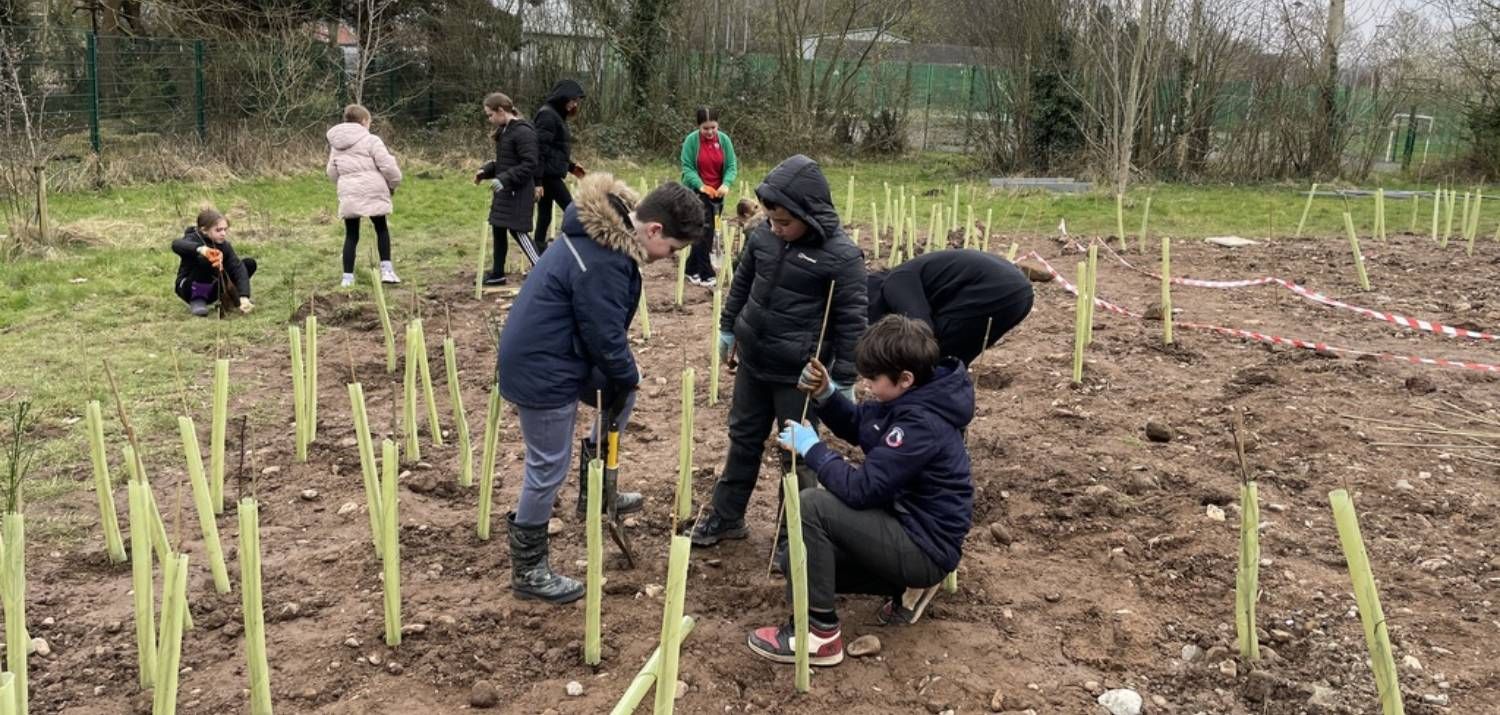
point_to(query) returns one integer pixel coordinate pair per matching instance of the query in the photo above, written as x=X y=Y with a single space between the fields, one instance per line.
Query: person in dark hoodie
x=895 y=525
x=512 y=177
x=969 y=298
x=771 y=322
x=556 y=145
x=206 y=256
x=565 y=340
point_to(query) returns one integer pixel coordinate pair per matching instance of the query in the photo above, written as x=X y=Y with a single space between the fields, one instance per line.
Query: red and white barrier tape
x=1316 y=297
x=1267 y=338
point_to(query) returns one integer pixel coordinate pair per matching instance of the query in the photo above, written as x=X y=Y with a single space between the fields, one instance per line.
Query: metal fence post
x=927 y=116
x=93 y=79
x=198 y=89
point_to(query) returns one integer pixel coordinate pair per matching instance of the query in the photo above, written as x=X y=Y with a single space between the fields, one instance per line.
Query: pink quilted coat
x=364 y=171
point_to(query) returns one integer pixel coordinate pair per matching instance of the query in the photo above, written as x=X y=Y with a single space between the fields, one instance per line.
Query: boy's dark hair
x=706 y=114
x=895 y=344
x=679 y=211
x=744 y=209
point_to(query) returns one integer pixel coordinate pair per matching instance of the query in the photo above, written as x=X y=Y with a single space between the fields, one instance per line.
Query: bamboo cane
x=1437 y=206
x=1380 y=214
x=666 y=690
x=1166 y=290
x=367 y=464
x=391 y=556
x=216 y=434
x=1079 y=320
x=299 y=392
x=487 y=462
x=682 y=259
x=141 y=584
x=409 y=395
x=426 y=372
x=647 y=676
x=684 y=501
x=1145 y=221
x=155 y=527
x=109 y=523
x=1306 y=208
x=1120 y=220
x=169 y=648
x=1372 y=617
x=202 y=500
x=254 y=611
x=645 y=312
x=385 y=326
x=797 y=574
x=484 y=238
x=460 y=420
x=311 y=383
x=713 y=347
x=594 y=579
x=1359 y=259
x=989 y=217
x=13 y=594
x=1093 y=285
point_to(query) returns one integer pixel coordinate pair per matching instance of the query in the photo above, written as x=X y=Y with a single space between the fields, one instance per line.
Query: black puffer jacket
x=775 y=304
x=552 y=130
x=515 y=165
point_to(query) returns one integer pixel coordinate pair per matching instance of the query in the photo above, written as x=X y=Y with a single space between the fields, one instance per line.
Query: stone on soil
x=1122 y=701
x=866 y=645
x=483 y=695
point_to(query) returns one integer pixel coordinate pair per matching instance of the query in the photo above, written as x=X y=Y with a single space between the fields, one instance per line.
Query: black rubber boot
x=625 y=502
x=531 y=575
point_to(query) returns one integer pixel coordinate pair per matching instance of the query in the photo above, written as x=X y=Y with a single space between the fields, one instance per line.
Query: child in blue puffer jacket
x=894 y=526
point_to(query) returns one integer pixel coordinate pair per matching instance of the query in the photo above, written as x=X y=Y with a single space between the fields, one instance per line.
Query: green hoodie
x=689 y=159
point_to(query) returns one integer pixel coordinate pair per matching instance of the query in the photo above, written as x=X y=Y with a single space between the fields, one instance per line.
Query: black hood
x=563 y=91
x=798 y=185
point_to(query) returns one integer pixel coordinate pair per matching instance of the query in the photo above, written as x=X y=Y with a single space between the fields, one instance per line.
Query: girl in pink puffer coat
x=366 y=175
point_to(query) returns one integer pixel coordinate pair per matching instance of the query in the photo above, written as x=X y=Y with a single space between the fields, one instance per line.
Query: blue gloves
x=726 y=343
x=495 y=185
x=797 y=437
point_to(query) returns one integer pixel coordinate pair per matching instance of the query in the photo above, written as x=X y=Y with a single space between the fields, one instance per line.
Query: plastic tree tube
x=426 y=373
x=1166 y=290
x=254 y=611
x=169 y=648
x=385 y=327
x=201 y=499
x=1371 y=616
x=594 y=586
x=647 y=676
x=367 y=464
x=666 y=680
x=13 y=594
x=141 y=584
x=1359 y=259
x=409 y=396
x=94 y=424
x=487 y=462
x=460 y=420
x=311 y=383
x=685 y=449
x=216 y=434
x=797 y=573
x=391 y=555
x=299 y=392
x=1307 y=207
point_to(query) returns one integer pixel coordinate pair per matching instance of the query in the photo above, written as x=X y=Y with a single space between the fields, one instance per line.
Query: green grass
x=109 y=294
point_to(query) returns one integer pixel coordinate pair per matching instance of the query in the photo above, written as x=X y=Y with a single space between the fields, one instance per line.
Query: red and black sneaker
x=825 y=646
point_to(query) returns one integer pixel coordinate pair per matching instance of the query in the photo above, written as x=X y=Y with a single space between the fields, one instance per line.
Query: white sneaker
x=387 y=273
x=347 y=281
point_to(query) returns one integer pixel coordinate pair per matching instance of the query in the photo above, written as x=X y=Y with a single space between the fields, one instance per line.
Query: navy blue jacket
x=569 y=322
x=916 y=465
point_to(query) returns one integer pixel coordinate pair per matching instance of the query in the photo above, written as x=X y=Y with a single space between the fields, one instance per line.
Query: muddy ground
x=1094 y=562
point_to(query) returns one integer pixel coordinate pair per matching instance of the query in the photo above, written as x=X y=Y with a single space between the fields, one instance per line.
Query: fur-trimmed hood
x=602 y=219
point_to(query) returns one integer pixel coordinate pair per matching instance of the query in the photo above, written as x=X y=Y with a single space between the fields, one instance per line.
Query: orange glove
x=708 y=191
x=214 y=256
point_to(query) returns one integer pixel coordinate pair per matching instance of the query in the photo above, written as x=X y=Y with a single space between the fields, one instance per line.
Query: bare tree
x=373 y=23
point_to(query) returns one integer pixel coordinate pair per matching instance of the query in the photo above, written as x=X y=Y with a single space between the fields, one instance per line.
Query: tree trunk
x=1125 y=149
x=1328 y=141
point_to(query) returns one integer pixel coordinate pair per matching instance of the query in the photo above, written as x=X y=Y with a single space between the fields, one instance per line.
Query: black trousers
x=758 y=411
x=853 y=551
x=502 y=249
x=206 y=274
x=700 y=262
x=964 y=339
x=554 y=192
x=351 y=240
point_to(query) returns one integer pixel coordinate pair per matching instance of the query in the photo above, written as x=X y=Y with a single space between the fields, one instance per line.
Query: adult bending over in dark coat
x=961 y=294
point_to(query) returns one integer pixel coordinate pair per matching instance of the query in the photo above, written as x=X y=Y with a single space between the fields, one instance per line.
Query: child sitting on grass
x=894 y=526
x=206 y=257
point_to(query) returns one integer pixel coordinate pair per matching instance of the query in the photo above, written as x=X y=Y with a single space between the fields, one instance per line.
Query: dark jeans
x=700 y=262
x=962 y=338
x=351 y=240
x=554 y=191
x=852 y=551
x=207 y=279
x=758 y=411
x=502 y=249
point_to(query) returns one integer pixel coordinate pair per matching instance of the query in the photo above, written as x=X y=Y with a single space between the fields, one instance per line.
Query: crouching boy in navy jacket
x=894 y=526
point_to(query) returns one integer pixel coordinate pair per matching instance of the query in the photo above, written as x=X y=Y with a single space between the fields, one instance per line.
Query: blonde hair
x=356 y=113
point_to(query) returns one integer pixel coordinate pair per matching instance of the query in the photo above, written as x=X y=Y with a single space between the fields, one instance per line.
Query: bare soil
x=1092 y=562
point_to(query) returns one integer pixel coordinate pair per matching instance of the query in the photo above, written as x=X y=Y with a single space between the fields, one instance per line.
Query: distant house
x=555 y=24
x=347 y=41
x=827 y=43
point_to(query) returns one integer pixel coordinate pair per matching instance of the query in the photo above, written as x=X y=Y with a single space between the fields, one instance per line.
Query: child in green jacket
x=708 y=167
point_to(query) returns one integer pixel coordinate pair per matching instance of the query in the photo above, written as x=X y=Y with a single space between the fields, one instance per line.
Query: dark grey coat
x=515 y=165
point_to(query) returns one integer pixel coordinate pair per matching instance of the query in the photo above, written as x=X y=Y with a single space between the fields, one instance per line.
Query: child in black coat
x=513 y=179
x=210 y=265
